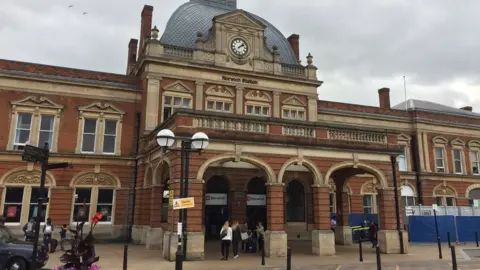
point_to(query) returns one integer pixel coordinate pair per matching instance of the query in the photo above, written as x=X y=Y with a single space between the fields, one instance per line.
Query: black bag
x=53 y=245
x=223 y=234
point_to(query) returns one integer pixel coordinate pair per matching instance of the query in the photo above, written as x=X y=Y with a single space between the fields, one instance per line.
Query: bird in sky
x=70 y=6
x=85 y=13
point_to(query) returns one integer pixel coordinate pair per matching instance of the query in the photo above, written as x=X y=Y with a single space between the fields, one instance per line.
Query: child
x=63 y=235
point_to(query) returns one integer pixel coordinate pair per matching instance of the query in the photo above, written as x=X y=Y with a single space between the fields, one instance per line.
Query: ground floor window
x=89 y=200
x=445 y=201
x=332 y=202
x=20 y=204
x=12 y=208
x=295 y=202
x=165 y=204
x=368 y=204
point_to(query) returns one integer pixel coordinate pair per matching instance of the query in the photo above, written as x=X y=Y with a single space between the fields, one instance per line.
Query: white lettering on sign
x=256 y=200
x=216 y=199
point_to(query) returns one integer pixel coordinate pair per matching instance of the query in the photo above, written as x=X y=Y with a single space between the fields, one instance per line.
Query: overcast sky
x=358 y=46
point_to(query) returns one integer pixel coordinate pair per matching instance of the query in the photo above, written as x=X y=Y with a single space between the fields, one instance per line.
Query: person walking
x=47 y=235
x=260 y=235
x=29 y=229
x=63 y=236
x=226 y=236
x=372 y=233
x=236 y=238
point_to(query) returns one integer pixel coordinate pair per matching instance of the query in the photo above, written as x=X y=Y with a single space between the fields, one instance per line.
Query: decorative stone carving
x=258 y=96
x=96 y=179
x=34 y=101
x=26 y=178
x=403 y=137
x=444 y=191
x=178 y=86
x=474 y=144
x=458 y=142
x=294 y=101
x=220 y=91
x=369 y=189
x=440 y=140
x=209 y=57
x=99 y=107
x=243 y=20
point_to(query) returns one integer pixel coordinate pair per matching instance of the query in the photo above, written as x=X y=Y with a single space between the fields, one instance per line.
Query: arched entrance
x=256 y=202
x=216 y=206
x=162 y=179
x=295 y=202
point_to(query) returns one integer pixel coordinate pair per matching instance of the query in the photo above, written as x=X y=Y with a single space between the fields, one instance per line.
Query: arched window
x=474 y=197
x=21 y=188
x=295 y=201
x=369 y=198
x=445 y=195
x=408 y=195
x=94 y=192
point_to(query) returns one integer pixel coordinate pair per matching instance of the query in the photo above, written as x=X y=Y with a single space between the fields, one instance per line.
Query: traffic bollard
x=263 y=255
x=476 y=238
x=360 y=250
x=379 y=260
x=454 y=258
x=125 y=256
x=179 y=259
x=289 y=258
x=448 y=237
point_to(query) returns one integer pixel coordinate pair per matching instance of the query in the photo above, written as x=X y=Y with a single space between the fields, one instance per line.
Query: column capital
x=270 y=184
x=199 y=83
x=321 y=186
x=239 y=88
x=154 y=77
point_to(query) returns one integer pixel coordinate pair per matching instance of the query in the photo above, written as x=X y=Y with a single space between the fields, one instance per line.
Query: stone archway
x=317 y=179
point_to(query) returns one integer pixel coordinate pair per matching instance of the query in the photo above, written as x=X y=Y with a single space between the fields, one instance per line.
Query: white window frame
x=460 y=152
x=332 y=197
x=112 y=204
x=37 y=106
x=94 y=203
x=27 y=193
x=440 y=142
x=404 y=141
x=443 y=200
x=258 y=104
x=222 y=100
x=94 y=138
x=474 y=148
x=172 y=105
x=17 y=129
x=295 y=109
x=402 y=159
x=365 y=192
x=110 y=135
x=100 y=112
x=476 y=163
x=51 y=131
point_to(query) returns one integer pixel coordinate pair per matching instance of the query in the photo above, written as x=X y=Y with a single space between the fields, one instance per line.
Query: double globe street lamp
x=199 y=142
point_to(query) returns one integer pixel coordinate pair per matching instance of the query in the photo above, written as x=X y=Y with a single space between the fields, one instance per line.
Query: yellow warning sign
x=183 y=203
x=170 y=198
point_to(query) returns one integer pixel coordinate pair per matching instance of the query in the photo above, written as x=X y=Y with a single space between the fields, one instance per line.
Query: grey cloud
x=358 y=46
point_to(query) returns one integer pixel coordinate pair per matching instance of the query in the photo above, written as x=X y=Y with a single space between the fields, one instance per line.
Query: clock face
x=239 y=47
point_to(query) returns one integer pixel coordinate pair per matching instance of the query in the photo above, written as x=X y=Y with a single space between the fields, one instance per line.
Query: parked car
x=17 y=254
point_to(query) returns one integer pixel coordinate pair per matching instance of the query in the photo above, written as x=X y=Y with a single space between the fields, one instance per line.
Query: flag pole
x=405 y=92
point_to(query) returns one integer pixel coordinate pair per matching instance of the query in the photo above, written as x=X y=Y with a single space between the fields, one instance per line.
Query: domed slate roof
x=196 y=16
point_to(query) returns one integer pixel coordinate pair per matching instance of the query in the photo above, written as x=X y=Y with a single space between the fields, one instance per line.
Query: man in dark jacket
x=372 y=233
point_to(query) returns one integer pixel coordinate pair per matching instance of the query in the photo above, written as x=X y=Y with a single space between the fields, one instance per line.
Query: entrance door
x=256 y=203
x=216 y=206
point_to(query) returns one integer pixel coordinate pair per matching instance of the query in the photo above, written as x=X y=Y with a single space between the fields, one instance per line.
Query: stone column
x=312 y=108
x=155 y=233
x=194 y=233
x=239 y=100
x=388 y=236
x=343 y=232
x=276 y=105
x=275 y=236
x=152 y=103
x=323 y=239
x=199 y=95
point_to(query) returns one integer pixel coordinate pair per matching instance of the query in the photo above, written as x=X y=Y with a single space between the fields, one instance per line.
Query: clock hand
x=243 y=45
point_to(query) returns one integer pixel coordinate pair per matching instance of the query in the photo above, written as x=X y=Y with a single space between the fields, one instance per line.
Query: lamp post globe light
x=197 y=143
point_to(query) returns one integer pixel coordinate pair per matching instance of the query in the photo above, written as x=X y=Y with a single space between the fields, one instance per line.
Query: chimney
x=467 y=108
x=132 y=55
x=384 y=98
x=294 y=43
x=145 y=26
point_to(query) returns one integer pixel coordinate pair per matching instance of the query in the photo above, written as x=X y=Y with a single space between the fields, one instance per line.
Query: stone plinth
x=195 y=246
x=389 y=241
x=343 y=235
x=323 y=243
x=154 y=239
x=275 y=244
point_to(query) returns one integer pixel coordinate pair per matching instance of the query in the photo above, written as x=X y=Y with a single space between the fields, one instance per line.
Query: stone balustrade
x=230 y=124
x=178 y=52
x=357 y=136
x=298 y=131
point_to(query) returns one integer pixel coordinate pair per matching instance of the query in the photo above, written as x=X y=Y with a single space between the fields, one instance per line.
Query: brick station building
x=277 y=154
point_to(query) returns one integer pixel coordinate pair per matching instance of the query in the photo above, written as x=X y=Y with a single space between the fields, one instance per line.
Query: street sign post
x=40 y=155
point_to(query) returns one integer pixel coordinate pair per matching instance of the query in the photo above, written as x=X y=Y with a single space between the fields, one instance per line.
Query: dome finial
x=155 y=32
x=309 y=59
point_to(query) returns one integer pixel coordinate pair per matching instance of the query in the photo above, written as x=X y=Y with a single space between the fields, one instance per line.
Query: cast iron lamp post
x=199 y=141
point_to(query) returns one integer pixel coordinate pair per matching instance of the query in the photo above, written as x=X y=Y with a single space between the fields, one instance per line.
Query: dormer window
x=258 y=103
x=219 y=99
x=293 y=108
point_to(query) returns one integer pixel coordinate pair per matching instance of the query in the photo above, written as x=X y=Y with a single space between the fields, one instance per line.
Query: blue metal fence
x=422 y=228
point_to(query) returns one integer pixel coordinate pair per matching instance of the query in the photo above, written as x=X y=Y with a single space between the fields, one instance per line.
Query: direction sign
x=34 y=154
x=183 y=203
